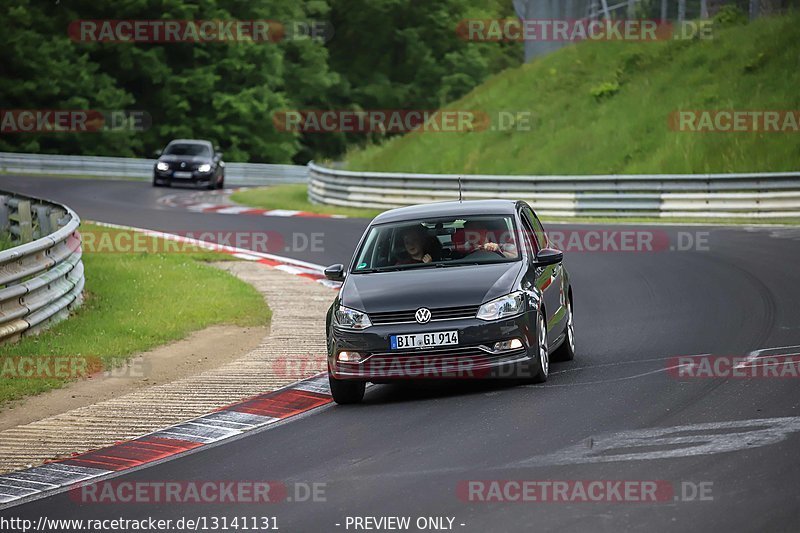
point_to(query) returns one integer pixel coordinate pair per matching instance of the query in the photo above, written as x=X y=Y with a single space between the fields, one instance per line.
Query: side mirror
x=335 y=272
x=549 y=256
x=158 y=153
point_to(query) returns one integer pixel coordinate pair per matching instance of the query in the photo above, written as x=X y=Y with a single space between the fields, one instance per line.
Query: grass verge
x=294 y=197
x=605 y=108
x=135 y=302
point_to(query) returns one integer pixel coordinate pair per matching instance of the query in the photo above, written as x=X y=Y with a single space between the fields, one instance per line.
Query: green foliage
x=384 y=54
x=730 y=15
x=607 y=88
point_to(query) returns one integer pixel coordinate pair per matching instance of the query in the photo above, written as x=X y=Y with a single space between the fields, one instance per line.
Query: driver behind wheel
x=489 y=236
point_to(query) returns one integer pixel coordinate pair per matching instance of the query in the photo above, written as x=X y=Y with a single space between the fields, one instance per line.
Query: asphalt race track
x=615 y=413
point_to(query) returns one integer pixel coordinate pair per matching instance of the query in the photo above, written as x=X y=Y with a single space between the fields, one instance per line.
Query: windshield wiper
x=374 y=270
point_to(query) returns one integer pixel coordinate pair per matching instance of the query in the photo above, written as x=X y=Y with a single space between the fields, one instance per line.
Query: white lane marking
x=318 y=384
x=677 y=441
x=280 y=213
x=200 y=207
x=618 y=363
x=234 y=210
x=614 y=380
x=765 y=352
x=246 y=257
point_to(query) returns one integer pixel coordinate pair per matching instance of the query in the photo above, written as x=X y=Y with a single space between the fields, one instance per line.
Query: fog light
x=504 y=346
x=349 y=357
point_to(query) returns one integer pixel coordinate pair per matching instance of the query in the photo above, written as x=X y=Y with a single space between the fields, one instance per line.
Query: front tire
x=566 y=352
x=346 y=392
x=542 y=361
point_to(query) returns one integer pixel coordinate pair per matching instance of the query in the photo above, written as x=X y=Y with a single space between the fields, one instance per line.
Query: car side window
x=538 y=230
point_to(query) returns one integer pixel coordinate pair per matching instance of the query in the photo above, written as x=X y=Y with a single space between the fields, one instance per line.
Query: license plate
x=424 y=340
x=182 y=175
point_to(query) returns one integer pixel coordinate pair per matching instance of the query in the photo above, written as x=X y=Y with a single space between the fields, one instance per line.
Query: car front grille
x=188 y=168
x=404 y=317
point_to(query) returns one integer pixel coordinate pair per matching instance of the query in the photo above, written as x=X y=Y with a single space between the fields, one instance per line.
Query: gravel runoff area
x=285 y=355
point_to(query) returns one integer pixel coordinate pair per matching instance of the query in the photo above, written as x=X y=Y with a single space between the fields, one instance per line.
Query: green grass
x=577 y=128
x=294 y=197
x=6 y=241
x=135 y=302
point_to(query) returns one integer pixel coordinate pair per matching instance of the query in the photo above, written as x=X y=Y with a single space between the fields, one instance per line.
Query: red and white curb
x=224 y=423
x=291 y=266
x=190 y=203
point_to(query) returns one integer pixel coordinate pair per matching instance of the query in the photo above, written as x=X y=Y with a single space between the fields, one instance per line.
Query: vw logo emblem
x=183 y=165
x=423 y=315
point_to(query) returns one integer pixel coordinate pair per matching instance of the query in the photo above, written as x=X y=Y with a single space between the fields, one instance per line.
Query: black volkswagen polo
x=449 y=290
x=190 y=161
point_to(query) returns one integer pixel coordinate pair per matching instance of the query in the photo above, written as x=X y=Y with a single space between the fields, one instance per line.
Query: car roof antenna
x=460 y=198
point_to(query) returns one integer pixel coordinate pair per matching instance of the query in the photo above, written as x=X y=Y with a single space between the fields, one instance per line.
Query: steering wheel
x=485 y=253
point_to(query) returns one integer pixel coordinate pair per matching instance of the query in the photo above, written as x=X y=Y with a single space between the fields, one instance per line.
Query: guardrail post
x=25 y=220
x=43 y=221
x=4 y=222
x=54 y=225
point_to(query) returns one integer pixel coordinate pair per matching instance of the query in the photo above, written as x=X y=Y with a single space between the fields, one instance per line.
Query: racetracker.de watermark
x=67 y=367
x=197 y=31
x=735 y=121
x=582 y=491
x=576 y=30
x=759 y=366
x=628 y=240
x=134 y=242
x=115 y=492
x=73 y=121
x=382 y=121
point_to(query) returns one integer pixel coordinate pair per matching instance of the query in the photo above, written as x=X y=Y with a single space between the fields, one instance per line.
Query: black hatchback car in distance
x=453 y=290
x=190 y=161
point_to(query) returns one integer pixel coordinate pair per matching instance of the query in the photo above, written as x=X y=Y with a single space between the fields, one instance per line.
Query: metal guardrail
x=241 y=174
x=41 y=279
x=770 y=195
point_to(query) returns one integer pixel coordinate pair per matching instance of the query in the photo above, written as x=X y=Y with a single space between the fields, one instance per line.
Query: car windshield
x=441 y=242
x=187 y=149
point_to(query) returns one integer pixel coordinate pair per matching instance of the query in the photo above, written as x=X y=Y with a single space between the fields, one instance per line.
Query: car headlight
x=162 y=166
x=204 y=168
x=347 y=318
x=509 y=305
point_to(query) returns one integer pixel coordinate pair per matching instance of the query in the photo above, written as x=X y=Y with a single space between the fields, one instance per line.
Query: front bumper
x=196 y=176
x=473 y=358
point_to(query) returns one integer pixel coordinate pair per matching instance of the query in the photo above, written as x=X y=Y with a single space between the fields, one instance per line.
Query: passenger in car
x=418 y=247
